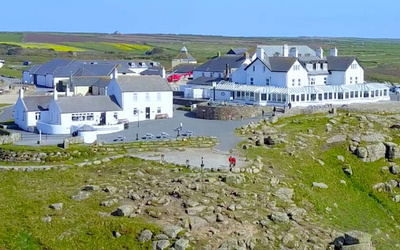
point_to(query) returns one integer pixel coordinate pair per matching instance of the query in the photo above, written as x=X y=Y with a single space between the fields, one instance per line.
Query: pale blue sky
x=266 y=18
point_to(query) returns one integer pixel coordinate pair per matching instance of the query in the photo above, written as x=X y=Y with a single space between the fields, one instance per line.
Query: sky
x=261 y=18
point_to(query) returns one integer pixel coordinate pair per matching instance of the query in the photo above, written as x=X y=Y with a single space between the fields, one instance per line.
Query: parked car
x=148 y=136
x=120 y=138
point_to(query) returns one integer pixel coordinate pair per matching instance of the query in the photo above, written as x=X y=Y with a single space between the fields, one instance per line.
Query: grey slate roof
x=91 y=81
x=341 y=63
x=218 y=64
x=75 y=104
x=37 y=103
x=184 y=68
x=272 y=50
x=276 y=64
x=143 y=84
x=33 y=69
x=153 y=71
x=184 y=54
x=237 y=51
x=86 y=128
x=51 y=66
x=95 y=70
x=204 y=80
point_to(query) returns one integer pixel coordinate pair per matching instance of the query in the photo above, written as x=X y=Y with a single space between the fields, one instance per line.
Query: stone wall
x=72 y=140
x=229 y=112
x=7 y=139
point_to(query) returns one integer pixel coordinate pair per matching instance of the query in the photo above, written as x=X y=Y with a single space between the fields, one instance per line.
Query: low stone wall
x=24 y=156
x=7 y=139
x=72 y=140
x=204 y=111
x=306 y=111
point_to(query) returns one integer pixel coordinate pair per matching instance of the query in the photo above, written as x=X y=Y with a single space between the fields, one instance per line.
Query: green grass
x=111 y=47
x=55 y=47
x=10 y=37
x=10 y=72
x=2 y=105
x=25 y=197
x=358 y=206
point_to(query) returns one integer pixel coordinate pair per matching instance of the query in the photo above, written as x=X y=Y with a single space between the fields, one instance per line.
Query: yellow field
x=55 y=47
x=128 y=47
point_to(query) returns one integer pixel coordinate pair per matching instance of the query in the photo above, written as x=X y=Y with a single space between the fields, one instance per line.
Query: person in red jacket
x=230 y=161
x=233 y=161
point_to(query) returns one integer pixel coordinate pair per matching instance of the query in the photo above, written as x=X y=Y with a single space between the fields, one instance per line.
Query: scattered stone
x=320 y=185
x=91 y=188
x=181 y=244
x=356 y=237
x=116 y=234
x=289 y=241
x=392 y=150
x=80 y=196
x=337 y=138
x=124 y=210
x=279 y=218
x=274 y=119
x=321 y=162
x=110 y=189
x=343 y=182
x=161 y=237
x=347 y=170
x=396 y=198
x=56 y=206
x=220 y=217
x=46 y=219
x=173 y=231
x=195 y=210
x=196 y=223
x=233 y=179
x=284 y=193
x=145 y=236
x=394 y=169
x=162 y=244
x=340 y=158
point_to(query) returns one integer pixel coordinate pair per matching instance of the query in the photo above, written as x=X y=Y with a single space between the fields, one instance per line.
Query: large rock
x=196 y=223
x=145 y=236
x=394 y=169
x=337 y=138
x=320 y=185
x=279 y=218
x=356 y=237
x=362 y=246
x=284 y=193
x=371 y=152
x=233 y=179
x=124 y=210
x=392 y=150
x=162 y=244
x=173 y=231
x=274 y=119
x=181 y=244
x=272 y=140
x=373 y=138
x=361 y=152
x=80 y=196
x=56 y=206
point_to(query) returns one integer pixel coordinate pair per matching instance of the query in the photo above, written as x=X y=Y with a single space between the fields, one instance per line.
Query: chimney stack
x=334 y=52
x=246 y=55
x=294 y=52
x=320 y=52
x=115 y=73
x=285 y=50
x=227 y=72
x=260 y=53
x=21 y=93
x=163 y=72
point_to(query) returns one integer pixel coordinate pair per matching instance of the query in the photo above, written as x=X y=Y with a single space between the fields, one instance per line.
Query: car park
x=148 y=136
x=120 y=138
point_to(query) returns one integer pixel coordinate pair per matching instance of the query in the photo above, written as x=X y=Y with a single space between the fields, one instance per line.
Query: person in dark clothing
x=262 y=112
x=290 y=105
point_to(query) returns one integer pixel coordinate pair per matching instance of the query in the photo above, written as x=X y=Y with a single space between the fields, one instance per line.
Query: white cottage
x=28 y=110
x=142 y=97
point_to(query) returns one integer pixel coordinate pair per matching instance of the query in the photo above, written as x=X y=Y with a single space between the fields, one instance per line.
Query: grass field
x=10 y=37
x=55 y=47
x=10 y=72
x=353 y=205
x=111 y=47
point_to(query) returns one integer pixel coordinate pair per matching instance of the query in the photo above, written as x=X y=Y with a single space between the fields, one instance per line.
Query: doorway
x=147 y=112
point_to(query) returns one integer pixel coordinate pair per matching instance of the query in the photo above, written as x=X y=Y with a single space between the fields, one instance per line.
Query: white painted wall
x=300 y=76
x=353 y=73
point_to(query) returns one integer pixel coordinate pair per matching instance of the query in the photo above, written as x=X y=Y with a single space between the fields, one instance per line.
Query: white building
x=300 y=76
x=142 y=97
x=183 y=58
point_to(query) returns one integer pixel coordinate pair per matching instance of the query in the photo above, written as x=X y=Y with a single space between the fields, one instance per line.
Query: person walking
x=262 y=112
x=180 y=125
x=290 y=105
x=233 y=161
x=230 y=162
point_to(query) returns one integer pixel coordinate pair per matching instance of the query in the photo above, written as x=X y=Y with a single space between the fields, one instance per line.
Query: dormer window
x=132 y=64
x=354 y=66
x=296 y=67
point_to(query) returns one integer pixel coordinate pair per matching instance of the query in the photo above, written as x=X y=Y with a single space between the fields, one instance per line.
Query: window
x=324 y=80
x=254 y=68
x=84 y=117
x=330 y=96
x=238 y=94
x=292 y=98
x=147 y=97
x=263 y=97
x=385 y=92
x=251 y=81
x=264 y=69
x=293 y=81
x=352 y=94
x=158 y=110
x=320 y=97
x=325 y=96
x=303 y=98
x=346 y=95
x=312 y=81
x=115 y=115
x=299 y=82
x=158 y=96
x=135 y=111
x=340 y=95
x=356 y=80
x=313 y=97
x=267 y=81
x=356 y=94
x=354 y=66
x=366 y=94
x=135 y=97
x=37 y=116
x=372 y=93
x=296 y=67
x=351 y=80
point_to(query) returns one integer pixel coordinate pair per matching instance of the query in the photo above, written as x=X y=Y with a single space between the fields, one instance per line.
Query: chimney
x=247 y=55
x=294 y=52
x=320 y=52
x=55 y=93
x=115 y=73
x=227 y=72
x=163 y=72
x=285 y=50
x=334 y=52
x=260 y=53
x=67 y=92
x=21 y=93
